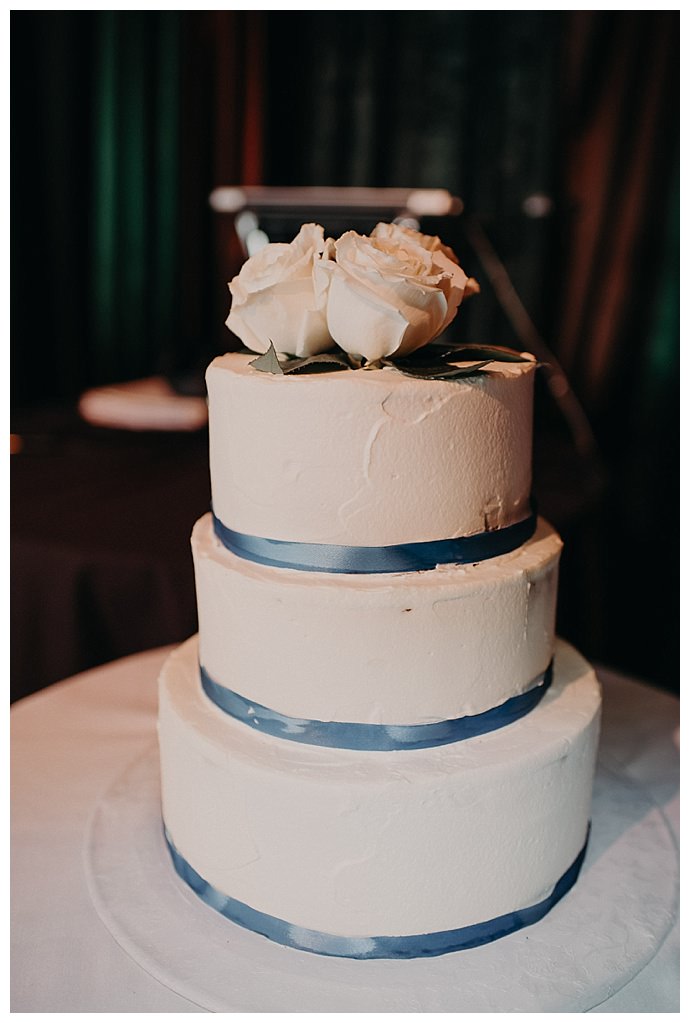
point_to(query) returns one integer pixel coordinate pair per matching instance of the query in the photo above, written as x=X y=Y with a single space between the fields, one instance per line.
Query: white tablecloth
x=72 y=741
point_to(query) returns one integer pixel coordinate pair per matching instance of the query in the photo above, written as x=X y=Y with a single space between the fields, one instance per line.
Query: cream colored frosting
x=401 y=649
x=368 y=457
x=359 y=843
x=356 y=843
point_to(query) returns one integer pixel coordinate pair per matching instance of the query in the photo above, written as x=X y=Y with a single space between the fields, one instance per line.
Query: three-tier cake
x=375 y=747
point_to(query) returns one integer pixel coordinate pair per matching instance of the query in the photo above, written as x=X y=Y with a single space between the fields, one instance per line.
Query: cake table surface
x=78 y=742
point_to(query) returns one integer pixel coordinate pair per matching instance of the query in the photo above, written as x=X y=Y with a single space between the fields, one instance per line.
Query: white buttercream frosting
x=368 y=457
x=398 y=649
x=356 y=843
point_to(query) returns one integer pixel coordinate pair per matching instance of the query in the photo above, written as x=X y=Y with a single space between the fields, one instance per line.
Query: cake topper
x=318 y=304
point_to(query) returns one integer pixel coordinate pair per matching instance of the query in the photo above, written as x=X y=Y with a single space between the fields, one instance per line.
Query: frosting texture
x=403 y=649
x=369 y=457
x=401 y=843
x=412 y=946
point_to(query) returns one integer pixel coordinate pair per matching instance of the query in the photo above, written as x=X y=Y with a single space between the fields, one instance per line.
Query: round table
x=72 y=741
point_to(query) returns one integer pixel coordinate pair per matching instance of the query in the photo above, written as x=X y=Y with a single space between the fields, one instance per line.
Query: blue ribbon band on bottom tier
x=362 y=736
x=405 y=946
x=405 y=557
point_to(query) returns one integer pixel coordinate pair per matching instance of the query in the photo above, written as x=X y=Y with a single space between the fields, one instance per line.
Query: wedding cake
x=375 y=747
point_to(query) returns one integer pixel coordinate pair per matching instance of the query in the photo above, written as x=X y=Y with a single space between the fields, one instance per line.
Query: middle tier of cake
x=400 y=649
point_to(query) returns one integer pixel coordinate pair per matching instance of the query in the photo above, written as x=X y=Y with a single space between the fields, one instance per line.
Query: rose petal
x=353 y=250
x=426 y=241
x=313 y=336
x=425 y=307
x=274 y=297
x=454 y=286
x=238 y=326
x=359 y=322
x=395 y=280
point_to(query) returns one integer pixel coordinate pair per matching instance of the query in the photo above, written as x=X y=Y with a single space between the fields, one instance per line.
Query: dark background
x=122 y=124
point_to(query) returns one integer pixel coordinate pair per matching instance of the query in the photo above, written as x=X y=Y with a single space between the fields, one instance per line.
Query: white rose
x=391 y=293
x=275 y=297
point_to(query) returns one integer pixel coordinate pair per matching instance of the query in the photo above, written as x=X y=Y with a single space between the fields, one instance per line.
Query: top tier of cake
x=369 y=457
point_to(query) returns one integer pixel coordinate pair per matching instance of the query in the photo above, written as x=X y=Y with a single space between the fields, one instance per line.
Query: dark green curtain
x=95 y=186
x=122 y=124
x=466 y=101
x=557 y=129
x=133 y=224
x=123 y=121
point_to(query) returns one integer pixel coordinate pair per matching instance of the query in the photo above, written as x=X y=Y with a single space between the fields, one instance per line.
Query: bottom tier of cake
x=379 y=854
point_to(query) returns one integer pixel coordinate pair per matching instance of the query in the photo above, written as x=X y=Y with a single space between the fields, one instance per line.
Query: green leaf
x=441 y=371
x=317 y=363
x=268 y=362
x=453 y=361
x=435 y=353
x=492 y=353
x=433 y=362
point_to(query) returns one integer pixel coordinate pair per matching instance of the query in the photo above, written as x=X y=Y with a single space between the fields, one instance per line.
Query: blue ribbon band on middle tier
x=404 y=557
x=363 y=736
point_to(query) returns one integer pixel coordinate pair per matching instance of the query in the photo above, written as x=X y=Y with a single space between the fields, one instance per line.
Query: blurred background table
x=100 y=556
x=72 y=741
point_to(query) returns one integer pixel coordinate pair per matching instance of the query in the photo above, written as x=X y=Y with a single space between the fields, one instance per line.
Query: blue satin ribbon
x=405 y=557
x=405 y=946
x=360 y=736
